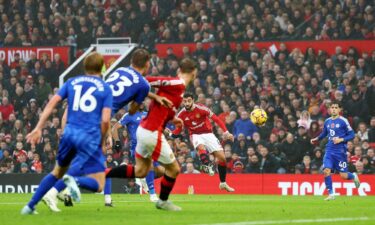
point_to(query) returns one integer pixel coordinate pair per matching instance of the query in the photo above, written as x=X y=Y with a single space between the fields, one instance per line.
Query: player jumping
x=339 y=132
x=88 y=120
x=151 y=142
x=196 y=118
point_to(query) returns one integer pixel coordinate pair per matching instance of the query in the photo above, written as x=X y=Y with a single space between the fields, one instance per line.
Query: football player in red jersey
x=151 y=142
x=196 y=118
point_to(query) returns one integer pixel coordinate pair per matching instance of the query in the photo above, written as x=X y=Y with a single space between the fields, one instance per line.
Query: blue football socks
x=60 y=185
x=87 y=183
x=350 y=176
x=150 y=181
x=47 y=183
x=108 y=186
x=328 y=182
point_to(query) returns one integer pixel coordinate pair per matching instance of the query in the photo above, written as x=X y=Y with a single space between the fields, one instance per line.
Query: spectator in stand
x=24 y=168
x=317 y=158
x=371 y=132
x=253 y=165
x=147 y=38
x=244 y=126
x=6 y=109
x=357 y=155
x=292 y=151
x=190 y=169
x=268 y=163
x=370 y=93
x=305 y=120
x=36 y=164
x=363 y=132
x=306 y=164
x=110 y=163
x=42 y=90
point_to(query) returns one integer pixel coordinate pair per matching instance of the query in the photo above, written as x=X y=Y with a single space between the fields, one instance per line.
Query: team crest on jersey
x=332 y=125
x=198 y=115
x=337 y=125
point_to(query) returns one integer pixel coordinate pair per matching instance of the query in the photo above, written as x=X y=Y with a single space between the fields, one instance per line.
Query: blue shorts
x=336 y=161
x=83 y=145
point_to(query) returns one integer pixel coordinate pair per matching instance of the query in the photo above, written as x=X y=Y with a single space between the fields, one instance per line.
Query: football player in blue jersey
x=129 y=87
x=88 y=120
x=339 y=132
x=131 y=122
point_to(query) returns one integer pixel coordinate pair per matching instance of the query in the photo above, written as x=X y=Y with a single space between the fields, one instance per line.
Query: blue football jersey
x=338 y=127
x=127 y=85
x=87 y=96
x=132 y=123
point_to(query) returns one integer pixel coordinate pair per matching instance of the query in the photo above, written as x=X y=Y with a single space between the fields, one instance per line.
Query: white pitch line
x=146 y=200
x=293 y=221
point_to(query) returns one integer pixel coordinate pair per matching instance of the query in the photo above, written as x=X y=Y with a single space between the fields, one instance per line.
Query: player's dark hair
x=335 y=102
x=140 y=57
x=93 y=63
x=188 y=95
x=187 y=65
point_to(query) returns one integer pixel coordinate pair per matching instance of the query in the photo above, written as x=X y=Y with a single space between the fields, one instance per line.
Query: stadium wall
x=328 y=46
x=7 y=54
x=270 y=184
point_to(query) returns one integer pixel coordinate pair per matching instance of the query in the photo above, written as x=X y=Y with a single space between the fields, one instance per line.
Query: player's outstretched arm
x=34 y=136
x=226 y=135
x=161 y=100
x=314 y=140
x=321 y=135
x=115 y=131
x=178 y=122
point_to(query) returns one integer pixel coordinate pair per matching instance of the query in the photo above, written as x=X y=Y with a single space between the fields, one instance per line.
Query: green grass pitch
x=197 y=209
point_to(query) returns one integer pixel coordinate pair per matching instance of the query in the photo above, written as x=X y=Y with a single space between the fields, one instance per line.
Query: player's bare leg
x=140 y=170
x=328 y=182
x=351 y=176
x=159 y=171
x=166 y=186
x=205 y=160
x=222 y=168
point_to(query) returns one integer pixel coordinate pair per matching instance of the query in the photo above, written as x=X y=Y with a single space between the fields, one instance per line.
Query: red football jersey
x=197 y=121
x=158 y=116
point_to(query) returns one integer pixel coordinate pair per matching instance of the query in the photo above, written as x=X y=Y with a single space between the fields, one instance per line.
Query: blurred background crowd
x=294 y=88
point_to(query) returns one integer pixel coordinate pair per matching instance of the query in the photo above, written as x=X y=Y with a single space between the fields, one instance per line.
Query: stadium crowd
x=294 y=88
x=79 y=23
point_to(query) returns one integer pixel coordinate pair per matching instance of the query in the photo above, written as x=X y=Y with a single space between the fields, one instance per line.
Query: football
x=258 y=117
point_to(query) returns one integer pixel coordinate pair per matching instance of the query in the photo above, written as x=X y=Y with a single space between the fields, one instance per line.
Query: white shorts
x=209 y=140
x=152 y=144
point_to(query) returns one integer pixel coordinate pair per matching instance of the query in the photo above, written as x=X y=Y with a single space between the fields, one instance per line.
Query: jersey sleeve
x=142 y=93
x=220 y=123
x=324 y=131
x=63 y=92
x=349 y=132
x=205 y=110
x=108 y=99
x=160 y=81
x=124 y=119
